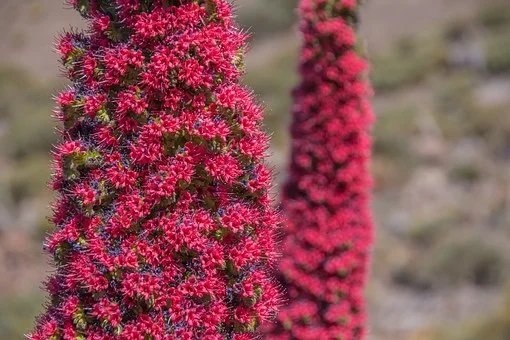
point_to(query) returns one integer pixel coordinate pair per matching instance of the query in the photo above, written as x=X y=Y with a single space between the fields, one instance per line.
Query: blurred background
x=441 y=69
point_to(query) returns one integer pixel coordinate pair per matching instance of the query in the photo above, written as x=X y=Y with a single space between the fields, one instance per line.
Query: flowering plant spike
x=326 y=198
x=163 y=222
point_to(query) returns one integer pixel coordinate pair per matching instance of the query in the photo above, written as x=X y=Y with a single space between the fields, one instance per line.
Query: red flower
x=193 y=75
x=164 y=229
x=93 y=104
x=326 y=198
x=108 y=311
x=86 y=195
x=224 y=168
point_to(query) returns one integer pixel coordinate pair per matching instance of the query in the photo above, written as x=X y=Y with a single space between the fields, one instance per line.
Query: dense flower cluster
x=163 y=223
x=326 y=198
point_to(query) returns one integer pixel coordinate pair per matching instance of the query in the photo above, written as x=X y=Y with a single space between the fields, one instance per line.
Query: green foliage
x=494 y=15
x=25 y=109
x=498 y=50
x=265 y=17
x=466 y=172
x=473 y=260
x=394 y=159
x=17 y=314
x=428 y=233
x=454 y=102
x=30 y=132
x=273 y=81
x=495 y=329
x=454 y=261
x=408 y=63
x=460 y=114
x=28 y=178
x=393 y=126
x=495 y=326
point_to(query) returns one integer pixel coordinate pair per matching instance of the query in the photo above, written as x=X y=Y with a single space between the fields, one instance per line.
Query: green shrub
x=409 y=62
x=466 y=172
x=393 y=126
x=473 y=261
x=267 y=17
x=498 y=51
x=495 y=326
x=460 y=114
x=28 y=178
x=428 y=233
x=455 y=104
x=29 y=133
x=495 y=15
x=17 y=314
x=454 y=261
x=273 y=81
x=25 y=109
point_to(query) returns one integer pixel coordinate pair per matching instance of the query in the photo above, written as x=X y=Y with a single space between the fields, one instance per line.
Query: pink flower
x=223 y=168
x=326 y=198
x=164 y=226
x=130 y=102
x=107 y=310
x=93 y=104
x=86 y=195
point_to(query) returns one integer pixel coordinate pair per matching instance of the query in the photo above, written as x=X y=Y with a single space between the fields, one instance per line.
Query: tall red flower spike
x=164 y=225
x=326 y=198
